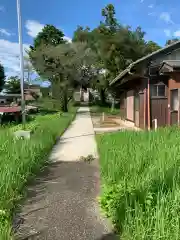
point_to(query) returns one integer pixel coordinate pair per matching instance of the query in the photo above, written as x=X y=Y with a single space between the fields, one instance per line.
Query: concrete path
x=62 y=205
x=78 y=140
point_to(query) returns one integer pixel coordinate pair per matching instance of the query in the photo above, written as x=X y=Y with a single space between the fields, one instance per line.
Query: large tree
x=115 y=45
x=66 y=65
x=50 y=36
x=2 y=77
x=110 y=21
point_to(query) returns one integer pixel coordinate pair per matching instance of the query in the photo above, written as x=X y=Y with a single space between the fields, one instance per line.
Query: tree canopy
x=66 y=65
x=109 y=47
x=115 y=45
x=13 y=85
x=49 y=35
x=152 y=47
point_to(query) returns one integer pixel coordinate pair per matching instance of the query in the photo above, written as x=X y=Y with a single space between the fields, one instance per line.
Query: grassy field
x=21 y=159
x=140 y=174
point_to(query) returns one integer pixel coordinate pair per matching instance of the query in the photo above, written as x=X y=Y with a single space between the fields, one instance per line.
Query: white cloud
x=166 y=17
x=167 y=32
x=151 y=6
x=9 y=51
x=9 y=56
x=5 y=32
x=152 y=14
x=68 y=39
x=176 y=33
x=33 y=27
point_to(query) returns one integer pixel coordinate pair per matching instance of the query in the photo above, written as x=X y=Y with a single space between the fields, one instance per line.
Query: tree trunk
x=55 y=90
x=60 y=93
x=81 y=95
x=103 y=97
x=113 y=104
x=64 y=101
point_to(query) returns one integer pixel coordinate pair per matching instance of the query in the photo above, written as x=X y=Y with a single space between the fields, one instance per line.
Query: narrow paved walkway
x=78 y=140
x=62 y=205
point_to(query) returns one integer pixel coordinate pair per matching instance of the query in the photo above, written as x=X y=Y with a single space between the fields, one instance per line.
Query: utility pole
x=21 y=62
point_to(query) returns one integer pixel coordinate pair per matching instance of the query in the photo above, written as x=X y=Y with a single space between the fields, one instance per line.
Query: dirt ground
x=108 y=121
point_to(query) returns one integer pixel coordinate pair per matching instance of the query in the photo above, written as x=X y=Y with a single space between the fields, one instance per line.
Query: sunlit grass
x=140 y=174
x=20 y=159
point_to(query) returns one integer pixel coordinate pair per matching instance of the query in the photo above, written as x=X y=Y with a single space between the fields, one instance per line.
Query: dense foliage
x=111 y=48
x=66 y=65
x=49 y=35
x=115 y=45
x=13 y=85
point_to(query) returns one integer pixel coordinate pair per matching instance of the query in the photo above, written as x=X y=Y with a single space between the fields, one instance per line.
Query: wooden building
x=149 y=89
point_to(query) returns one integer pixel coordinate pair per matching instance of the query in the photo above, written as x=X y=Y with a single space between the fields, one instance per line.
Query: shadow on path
x=62 y=205
x=82 y=135
x=109 y=236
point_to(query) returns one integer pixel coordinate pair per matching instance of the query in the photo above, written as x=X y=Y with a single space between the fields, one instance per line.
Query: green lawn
x=21 y=159
x=140 y=174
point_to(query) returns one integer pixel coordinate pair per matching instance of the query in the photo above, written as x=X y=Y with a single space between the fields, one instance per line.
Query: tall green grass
x=140 y=174
x=21 y=159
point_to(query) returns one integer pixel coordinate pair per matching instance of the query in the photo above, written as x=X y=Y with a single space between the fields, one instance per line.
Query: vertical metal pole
x=21 y=62
x=103 y=117
x=155 y=124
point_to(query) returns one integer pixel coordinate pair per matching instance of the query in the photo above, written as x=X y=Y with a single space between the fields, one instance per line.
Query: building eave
x=148 y=58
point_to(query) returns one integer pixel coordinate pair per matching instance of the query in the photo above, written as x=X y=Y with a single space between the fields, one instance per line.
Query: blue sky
x=158 y=18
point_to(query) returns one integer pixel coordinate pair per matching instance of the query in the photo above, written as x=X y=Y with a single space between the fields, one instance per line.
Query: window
x=174 y=100
x=158 y=90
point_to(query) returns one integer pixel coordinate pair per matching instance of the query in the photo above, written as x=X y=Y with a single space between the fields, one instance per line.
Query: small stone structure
x=22 y=134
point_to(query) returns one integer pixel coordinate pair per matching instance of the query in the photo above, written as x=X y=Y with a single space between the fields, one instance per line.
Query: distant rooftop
x=6 y=95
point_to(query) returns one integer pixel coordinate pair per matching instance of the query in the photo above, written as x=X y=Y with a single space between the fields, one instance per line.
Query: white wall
x=86 y=96
x=77 y=96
